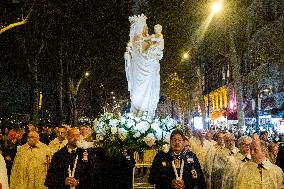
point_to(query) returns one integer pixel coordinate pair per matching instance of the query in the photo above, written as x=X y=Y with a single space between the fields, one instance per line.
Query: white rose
x=130 y=115
x=113 y=122
x=155 y=126
x=130 y=123
x=166 y=148
x=142 y=126
x=137 y=119
x=122 y=134
x=113 y=130
x=150 y=139
x=159 y=134
x=137 y=134
x=123 y=120
x=167 y=138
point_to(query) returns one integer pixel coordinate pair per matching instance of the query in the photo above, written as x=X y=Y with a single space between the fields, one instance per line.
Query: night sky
x=87 y=35
x=93 y=36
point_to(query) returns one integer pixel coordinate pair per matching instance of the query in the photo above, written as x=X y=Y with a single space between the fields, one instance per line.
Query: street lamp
x=216 y=7
x=74 y=89
x=87 y=74
x=185 y=56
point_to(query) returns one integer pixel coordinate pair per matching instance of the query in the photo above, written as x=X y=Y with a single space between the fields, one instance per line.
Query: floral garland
x=116 y=132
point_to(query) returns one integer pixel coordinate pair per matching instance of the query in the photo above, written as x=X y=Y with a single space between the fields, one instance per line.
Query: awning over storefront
x=217 y=114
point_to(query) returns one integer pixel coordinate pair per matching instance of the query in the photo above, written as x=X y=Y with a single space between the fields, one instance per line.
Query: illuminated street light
x=112 y=92
x=87 y=74
x=216 y=7
x=185 y=55
x=113 y=97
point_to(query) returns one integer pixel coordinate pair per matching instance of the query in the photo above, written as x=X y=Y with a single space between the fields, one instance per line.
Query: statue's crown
x=137 y=18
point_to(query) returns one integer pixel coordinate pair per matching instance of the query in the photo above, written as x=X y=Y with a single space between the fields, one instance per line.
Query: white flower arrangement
x=115 y=132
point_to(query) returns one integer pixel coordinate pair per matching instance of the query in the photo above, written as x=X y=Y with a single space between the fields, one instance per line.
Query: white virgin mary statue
x=142 y=56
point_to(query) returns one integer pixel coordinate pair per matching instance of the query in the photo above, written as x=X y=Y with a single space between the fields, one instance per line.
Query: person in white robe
x=3 y=174
x=209 y=142
x=210 y=159
x=30 y=164
x=244 y=155
x=230 y=165
x=198 y=147
x=260 y=172
x=272 y=152
x=60 y=141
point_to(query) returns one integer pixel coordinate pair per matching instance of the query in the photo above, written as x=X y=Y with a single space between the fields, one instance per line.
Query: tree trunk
x=200 y=96
x=257 y=108
x=75 y=113
x=32 y=66
x=60 y=88
x=72 y=97
x=70 y=104
x=237 y=81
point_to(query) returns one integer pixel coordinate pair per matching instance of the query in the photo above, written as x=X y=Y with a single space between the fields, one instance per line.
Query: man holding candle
x=72 y=167
x=176 y=169
x=30 y=164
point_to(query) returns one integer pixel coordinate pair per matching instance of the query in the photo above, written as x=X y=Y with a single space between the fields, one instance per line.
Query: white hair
x=229 y=135
x=242 y=138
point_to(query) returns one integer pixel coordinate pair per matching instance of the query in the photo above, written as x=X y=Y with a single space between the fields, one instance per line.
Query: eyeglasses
x=245 y=144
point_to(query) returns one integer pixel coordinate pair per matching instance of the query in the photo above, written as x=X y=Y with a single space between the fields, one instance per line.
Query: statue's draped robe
x=143 y=74
x=3 y=173
x=29 y=169
x=252 y=177
x=143 y=70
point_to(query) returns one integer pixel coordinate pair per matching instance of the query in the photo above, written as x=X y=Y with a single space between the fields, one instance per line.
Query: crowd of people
x=56 y=159
x=247 y=162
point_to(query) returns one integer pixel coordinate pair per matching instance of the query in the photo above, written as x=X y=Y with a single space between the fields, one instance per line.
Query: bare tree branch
x=23 y=22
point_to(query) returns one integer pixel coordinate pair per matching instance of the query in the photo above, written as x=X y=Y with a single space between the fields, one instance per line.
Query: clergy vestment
x=209 y=163
x=199 y=149
x=3 y=173
x=56 y=145
x=231 y=167
x=162 y=171
x=30 y=167
x=89 y=173
x=264 y=176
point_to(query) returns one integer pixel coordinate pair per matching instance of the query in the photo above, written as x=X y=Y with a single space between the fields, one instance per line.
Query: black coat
x=11 y=152
x=162 y=172
x=280 y=156
x=88 y=173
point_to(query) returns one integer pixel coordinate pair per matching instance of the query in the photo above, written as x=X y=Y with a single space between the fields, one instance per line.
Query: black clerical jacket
x=87 y=172
x=162 y=172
